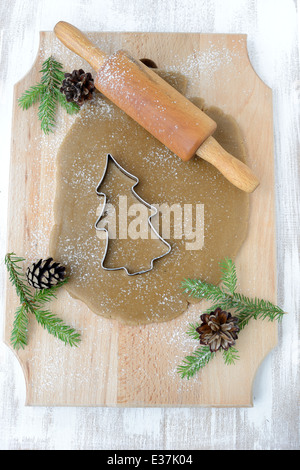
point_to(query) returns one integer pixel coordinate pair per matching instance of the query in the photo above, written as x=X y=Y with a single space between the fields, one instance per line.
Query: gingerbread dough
x=155 y=296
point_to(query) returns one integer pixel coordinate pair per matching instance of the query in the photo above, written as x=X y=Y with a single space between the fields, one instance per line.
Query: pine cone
x=218 y=330
x=78 y=86
x=45 y=273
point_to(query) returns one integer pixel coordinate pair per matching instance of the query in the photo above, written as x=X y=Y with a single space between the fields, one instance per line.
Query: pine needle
x=19 y=332
x=32 y=303
x=230 y=356
x=47 y=111
x=226 y=298
x=70 y=107
x=46 y=295
x=31 y=96
x=229 y=277
x=48 y=95
x=56 y=327
x=192 y=330
x=196 y=361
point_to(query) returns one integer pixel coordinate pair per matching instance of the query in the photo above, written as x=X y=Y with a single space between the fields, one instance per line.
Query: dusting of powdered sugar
x=204 y=65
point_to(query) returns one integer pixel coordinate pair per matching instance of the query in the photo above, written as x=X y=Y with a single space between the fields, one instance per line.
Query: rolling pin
x=156 y=106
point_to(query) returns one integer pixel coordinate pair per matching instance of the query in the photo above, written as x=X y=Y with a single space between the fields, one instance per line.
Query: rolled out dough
x=155 y=296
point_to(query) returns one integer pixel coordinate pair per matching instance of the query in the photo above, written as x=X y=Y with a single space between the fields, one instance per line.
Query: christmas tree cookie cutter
x=153 y=209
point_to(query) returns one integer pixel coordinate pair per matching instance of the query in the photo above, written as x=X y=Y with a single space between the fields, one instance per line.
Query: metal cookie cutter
x=110 y=157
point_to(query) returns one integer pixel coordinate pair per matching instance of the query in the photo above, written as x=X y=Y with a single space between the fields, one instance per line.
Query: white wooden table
x=273 y=422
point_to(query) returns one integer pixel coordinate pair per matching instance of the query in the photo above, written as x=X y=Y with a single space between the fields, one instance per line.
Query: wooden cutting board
x=117 y=365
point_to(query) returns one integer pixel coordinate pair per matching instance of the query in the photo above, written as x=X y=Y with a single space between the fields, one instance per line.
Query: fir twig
x=226 y=298
x=48 y=94
x=192 y=330
x=33 y=303
x=245 y=308
x=230 y=356
x=196 y=361
x=56 y=327
x=70 y=107
x=47 y=111
x=46 y=295
x=18 y=336
x=200 y=289
x=229 y=277
x=31 y=96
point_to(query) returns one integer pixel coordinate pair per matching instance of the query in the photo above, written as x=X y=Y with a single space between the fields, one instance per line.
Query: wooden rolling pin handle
x=233 y=169
x=79 y=43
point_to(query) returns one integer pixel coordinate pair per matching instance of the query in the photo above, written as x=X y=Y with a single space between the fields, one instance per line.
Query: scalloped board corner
x=118 y=365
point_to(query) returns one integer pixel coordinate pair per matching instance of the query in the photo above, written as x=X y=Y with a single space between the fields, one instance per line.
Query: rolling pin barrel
x=154 y=104
x=157 y=106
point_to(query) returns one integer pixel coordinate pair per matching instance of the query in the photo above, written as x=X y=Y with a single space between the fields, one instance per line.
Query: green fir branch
x=226 y=298
x=52 y=73
x=56 y=327
x=18 y=337
x=229 y=277
x=230 y=356
x=46 y=295
x=17 y=278
x=47 y=92
x=245 y=308
x=70 y=107
x=31 y=96
x=47 y=111
x=192 y=330
x=203 y=290
x=196 y=361
x=32 y=303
